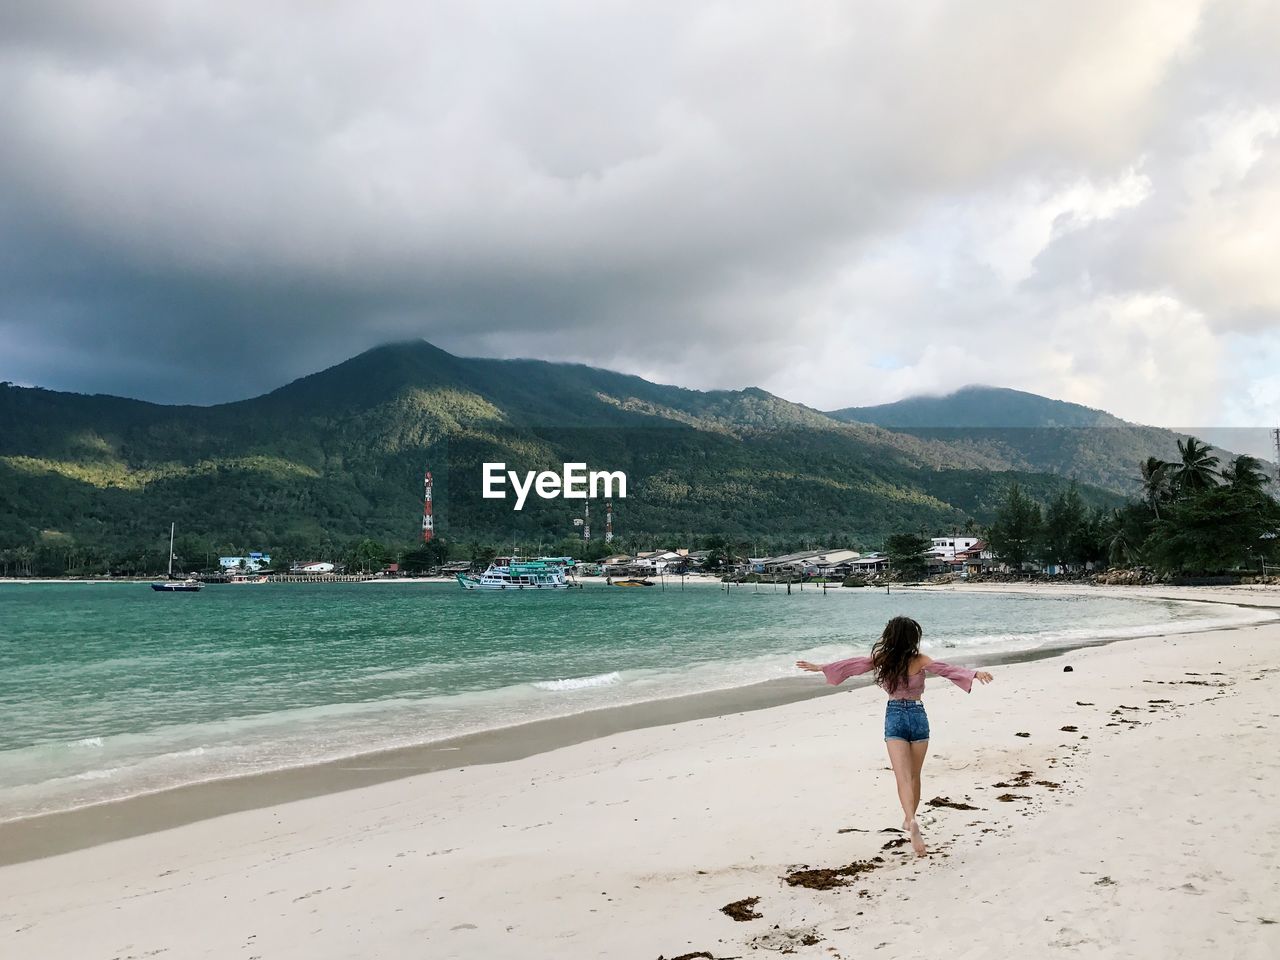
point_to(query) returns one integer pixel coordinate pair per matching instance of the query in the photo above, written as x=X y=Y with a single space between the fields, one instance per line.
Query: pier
x=321 y=577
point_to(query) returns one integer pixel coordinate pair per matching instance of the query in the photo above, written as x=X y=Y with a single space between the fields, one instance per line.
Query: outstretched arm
x=839 y=671
x=962 y=677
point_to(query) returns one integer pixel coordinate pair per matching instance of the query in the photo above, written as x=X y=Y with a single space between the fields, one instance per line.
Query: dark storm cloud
x=201 y=201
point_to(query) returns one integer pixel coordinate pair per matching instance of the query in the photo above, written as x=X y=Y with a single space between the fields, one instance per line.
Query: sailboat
x=175 y=586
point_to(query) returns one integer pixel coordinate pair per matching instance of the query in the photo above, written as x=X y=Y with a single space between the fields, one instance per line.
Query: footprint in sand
x=1069 y=938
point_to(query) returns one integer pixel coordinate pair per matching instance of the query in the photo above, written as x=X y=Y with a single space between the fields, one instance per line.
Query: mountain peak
x=977 y=406
x=372 y=376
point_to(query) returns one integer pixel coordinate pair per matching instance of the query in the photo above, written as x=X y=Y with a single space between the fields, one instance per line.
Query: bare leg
x=908 y=760
x=918 y=750
x=903 y=765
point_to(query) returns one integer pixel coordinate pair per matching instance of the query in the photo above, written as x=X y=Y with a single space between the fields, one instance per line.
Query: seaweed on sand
x=829 y=878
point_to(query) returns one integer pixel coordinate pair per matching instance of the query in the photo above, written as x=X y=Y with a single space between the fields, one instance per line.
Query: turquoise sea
x=108 y=690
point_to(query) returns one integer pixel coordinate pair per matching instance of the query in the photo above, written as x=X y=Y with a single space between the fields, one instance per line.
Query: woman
x=900 y=668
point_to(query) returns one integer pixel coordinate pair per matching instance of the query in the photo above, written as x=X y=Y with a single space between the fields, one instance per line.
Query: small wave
x=580 y=683
x=88 y=742
x=97 y=774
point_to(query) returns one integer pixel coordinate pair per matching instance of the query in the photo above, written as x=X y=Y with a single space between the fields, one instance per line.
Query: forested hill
x=1027 y=432
x=339 y=455
x=981 y=407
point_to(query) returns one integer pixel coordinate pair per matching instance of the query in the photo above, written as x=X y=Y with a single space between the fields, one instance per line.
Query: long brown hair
x=892 y=655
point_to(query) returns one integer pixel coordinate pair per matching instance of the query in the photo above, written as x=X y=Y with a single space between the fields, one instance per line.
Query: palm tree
x=1196 y=469
x=1245 y=473
x=1122 y=547
x=1155 y=482
x=22 y=557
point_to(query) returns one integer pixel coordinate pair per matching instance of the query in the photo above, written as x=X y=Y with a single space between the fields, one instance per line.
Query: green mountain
x=338 y=456
x=1028 y=432
x=980 y=407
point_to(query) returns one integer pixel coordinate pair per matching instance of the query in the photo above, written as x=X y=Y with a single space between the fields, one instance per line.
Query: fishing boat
x=633 y=582
x=517 y=575
x=171 y=585
x=247 y=578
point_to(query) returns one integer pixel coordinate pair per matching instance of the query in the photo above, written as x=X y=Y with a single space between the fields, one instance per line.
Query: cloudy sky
x=844 y=203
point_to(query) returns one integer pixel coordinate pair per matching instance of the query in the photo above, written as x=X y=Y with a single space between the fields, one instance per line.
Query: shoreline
x=62 y=831
x=1095 y=812
x=594 y=581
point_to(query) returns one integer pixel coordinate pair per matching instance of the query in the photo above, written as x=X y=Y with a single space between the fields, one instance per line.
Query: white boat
x=517 y=575
x=171 y=585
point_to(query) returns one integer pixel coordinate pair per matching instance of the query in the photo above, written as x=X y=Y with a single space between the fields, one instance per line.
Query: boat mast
x=171 y=526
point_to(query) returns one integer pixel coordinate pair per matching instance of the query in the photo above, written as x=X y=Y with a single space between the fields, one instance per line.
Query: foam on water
x=97 y=774
x=579 y=683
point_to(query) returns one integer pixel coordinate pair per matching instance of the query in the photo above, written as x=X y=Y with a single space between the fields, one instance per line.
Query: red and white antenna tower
x=608 y=521
x=586 y=521
x=428 y=517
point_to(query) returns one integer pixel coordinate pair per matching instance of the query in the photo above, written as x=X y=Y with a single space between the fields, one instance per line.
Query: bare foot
x=917 y=841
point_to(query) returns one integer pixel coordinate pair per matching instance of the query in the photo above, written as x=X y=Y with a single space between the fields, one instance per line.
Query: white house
x=252 y=563
x=946 y=548
x=317 y=566
x=657 y=561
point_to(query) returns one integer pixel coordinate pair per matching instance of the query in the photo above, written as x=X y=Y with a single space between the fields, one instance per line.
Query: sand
x=1150 y=830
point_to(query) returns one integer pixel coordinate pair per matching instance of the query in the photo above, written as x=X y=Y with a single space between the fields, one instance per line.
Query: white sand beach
x=1127 y=808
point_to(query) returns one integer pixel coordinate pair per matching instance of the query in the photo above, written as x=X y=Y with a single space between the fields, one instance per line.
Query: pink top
x=913 y=689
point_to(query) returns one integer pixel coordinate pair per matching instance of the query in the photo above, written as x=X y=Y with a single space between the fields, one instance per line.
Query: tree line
x=1195 y=515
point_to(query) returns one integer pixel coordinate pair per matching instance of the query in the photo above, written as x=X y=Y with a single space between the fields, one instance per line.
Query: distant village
x=961 y=555
x=951 y=554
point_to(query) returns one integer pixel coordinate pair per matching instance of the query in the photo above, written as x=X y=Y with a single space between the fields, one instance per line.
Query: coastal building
x=947 y=547
x=821 y=563
x=973 y=560
x=835 y=563
x=650 y=563
x=614 y=564
x=254 y=562
x=785 y=563
x=315 y=566
x=871 y=563
x=698 y=558
x=659 y=561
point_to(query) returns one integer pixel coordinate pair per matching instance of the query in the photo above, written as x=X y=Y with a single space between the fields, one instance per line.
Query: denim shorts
x=905 y=720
